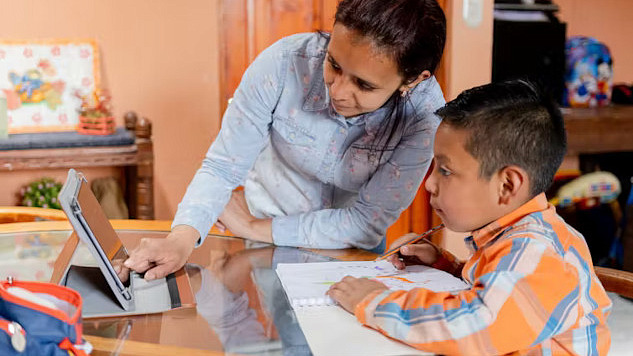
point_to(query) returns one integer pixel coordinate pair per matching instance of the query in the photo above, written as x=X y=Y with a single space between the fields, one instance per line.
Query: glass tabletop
x=241 y=306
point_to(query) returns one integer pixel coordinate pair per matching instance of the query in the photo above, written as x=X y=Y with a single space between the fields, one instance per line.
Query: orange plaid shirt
x=533 y=292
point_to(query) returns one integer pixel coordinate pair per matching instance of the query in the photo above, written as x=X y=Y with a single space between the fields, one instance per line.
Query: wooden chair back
x=613 y=280
x=13 y=214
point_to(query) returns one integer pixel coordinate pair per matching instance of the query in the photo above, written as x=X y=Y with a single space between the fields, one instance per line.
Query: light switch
x=473 y=12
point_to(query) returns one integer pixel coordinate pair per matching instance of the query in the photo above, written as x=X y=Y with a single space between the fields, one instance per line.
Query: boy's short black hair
x=511 y=123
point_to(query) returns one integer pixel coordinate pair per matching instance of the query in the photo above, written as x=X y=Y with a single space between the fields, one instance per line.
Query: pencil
x=411 y=241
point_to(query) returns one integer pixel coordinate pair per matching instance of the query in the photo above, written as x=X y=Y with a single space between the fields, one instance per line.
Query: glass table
x=241 y=306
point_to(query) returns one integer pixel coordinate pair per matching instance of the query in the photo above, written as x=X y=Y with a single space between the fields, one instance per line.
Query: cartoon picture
x=589 y=73
x=35 y=86
x=40 y=79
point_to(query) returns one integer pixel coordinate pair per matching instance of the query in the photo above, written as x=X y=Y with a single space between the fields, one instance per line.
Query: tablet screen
x=102 y=230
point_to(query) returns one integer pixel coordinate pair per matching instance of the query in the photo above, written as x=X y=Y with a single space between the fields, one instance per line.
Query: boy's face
x=464 y=200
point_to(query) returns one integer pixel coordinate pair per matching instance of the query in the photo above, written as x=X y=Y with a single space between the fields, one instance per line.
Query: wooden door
x=249 y=26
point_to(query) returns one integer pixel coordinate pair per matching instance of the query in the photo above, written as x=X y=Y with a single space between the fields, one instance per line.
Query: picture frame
x=41 y=80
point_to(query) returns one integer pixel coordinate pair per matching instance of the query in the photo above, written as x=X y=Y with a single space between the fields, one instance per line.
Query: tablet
x=86 y=216
x=104 y=293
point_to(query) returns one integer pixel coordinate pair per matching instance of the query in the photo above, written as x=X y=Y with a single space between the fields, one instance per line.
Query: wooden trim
x=13 y=214
x=117 y=224
x=157 y=225
x=443 y=72
x=14 y=160
x=233 y=48
x=63 y=260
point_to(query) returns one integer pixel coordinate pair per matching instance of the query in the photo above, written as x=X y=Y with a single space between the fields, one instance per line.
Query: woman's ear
x=411 y=84
x=513 y=184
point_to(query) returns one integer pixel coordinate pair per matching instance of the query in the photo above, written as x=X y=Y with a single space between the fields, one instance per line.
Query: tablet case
x=103 y=292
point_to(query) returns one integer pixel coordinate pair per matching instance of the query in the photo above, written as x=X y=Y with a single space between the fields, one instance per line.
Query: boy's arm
x=520 y=297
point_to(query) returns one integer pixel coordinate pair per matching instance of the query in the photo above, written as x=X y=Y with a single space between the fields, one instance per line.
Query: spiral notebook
x=305 y=285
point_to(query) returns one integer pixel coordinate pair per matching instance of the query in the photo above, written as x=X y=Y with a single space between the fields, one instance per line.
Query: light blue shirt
x=303 y=164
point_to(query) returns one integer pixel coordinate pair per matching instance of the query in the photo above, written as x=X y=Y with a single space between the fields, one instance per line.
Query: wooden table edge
x=156 y=225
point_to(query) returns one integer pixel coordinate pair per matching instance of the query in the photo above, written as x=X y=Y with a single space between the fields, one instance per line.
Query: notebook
x=328 y=328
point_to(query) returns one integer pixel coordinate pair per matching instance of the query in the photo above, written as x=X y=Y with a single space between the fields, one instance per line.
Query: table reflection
x=226 y=282
x=241 y=305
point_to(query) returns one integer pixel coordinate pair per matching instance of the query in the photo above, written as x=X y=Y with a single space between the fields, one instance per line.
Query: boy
x=533 y=287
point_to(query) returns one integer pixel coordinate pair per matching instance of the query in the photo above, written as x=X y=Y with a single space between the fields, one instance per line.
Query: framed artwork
x=41 y=81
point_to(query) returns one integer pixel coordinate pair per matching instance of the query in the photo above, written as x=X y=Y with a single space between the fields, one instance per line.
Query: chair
x=613 y=280
x=12 y=214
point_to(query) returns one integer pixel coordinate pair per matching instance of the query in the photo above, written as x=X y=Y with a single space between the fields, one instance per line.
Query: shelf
x=599 y=130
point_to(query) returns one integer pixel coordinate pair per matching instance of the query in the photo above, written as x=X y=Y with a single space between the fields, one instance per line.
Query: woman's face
x=359 y=78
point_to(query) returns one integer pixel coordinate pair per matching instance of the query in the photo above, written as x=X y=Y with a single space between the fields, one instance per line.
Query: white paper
x=328 y=328
x=306 y=283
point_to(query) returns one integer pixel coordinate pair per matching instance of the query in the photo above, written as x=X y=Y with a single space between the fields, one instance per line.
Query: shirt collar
x=489 y=232
x=317 y=98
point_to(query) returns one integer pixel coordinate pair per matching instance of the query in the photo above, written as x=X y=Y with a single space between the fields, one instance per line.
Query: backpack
x=41 y=319
x=588 y=74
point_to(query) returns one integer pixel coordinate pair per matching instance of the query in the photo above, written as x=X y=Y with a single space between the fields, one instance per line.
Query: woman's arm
x=244 y=132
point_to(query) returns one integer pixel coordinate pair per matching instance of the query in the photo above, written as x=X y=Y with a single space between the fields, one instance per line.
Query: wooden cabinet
x=249 y=26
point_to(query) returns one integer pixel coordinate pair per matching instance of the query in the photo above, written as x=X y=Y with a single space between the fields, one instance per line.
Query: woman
x=330 y=135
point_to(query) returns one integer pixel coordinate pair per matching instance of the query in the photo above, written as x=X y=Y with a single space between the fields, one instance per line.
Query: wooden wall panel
x=327 y=14
x=234 y=43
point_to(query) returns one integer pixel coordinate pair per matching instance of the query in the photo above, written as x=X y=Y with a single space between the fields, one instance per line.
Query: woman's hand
x=234 y=269
x=160 y=257
x=350 y=291
x=421 y=253
x=238 y=219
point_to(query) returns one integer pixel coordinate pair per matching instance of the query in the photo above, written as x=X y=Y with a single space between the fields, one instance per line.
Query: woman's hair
x=412 y=33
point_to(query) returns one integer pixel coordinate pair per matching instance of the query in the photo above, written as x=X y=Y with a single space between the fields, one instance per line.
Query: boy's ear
x=513 y=183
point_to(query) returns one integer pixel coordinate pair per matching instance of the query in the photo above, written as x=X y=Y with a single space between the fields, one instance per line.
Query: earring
x=404 y=93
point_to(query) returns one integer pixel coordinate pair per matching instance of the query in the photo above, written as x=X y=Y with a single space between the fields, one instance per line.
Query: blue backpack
x=588 y=74
x=40 y=319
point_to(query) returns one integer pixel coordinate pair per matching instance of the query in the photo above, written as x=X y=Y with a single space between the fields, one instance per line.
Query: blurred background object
x=529 y=42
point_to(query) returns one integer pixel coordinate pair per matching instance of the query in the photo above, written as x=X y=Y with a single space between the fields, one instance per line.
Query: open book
x=328 y=328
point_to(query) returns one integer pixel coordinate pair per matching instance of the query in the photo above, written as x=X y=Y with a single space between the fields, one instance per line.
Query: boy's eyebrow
x=442 y=158
x=332 y=59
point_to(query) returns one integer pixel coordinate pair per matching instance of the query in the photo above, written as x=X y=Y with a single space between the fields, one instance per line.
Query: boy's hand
x=421 y=253
x=350 y=291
